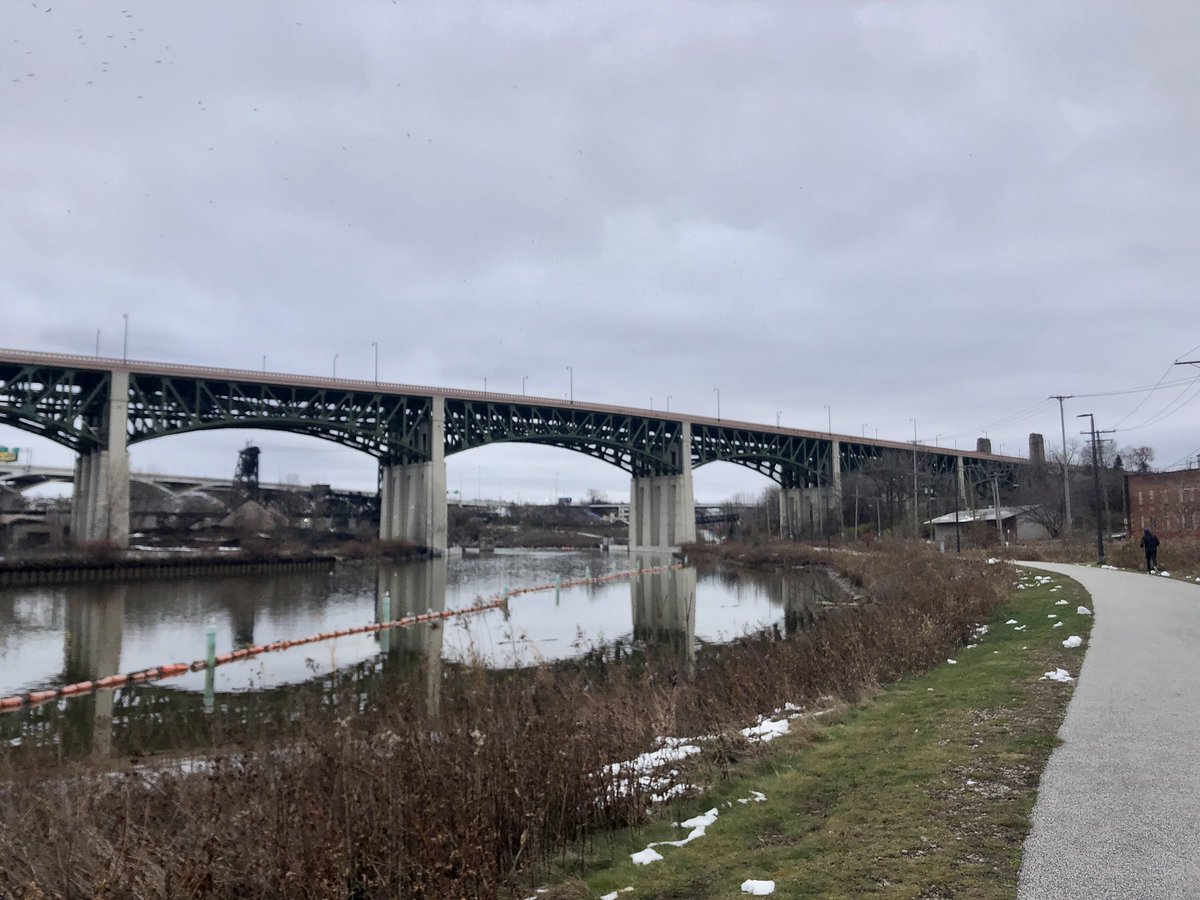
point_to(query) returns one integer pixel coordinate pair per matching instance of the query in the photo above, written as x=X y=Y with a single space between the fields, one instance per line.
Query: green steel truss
x=394 y=428
x=640 y=445
x=67 y=406
x=789 y=459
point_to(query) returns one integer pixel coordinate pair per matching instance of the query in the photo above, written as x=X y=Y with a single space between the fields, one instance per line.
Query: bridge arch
x=640 y=445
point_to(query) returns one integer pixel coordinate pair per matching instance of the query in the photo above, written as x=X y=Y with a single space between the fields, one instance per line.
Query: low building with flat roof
x=1016 y=522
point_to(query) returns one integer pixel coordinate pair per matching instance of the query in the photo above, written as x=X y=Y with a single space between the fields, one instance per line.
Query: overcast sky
x=864 y=212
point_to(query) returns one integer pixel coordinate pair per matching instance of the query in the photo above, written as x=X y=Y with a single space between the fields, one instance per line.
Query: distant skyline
x=870 y=215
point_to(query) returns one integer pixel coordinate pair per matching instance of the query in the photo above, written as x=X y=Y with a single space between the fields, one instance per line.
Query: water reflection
x=664 y=611
x=54 y=636
x=95 y=620
x=411 y=590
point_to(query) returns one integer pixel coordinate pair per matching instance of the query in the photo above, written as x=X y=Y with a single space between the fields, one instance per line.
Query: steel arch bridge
x=70 y=400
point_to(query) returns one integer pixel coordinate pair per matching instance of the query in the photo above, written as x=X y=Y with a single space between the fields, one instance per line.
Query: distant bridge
x=21 y=477
x=98 y=407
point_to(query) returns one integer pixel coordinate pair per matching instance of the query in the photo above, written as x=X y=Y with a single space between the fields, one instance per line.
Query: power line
x=1139 y=390
x=1147 y=397
x=1172 y=407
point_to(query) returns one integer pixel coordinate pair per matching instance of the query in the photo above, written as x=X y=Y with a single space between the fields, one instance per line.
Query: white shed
x=1016 y=522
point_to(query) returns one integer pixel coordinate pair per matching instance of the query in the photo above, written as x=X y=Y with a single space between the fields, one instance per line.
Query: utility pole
x=1066 y=477
x=1096 y=484
x=996 y=505
x=957 y=527
x=1104 y=480
x=916 y=516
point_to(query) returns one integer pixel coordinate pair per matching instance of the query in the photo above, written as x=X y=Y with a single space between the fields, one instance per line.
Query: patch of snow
x=1057 y=675
x=952 y=662
x=992 y=561
x=1011 y=622
x=655 y=759
x=758 y=888
x=971 y=646
x=1020 y=628
x=1165 y=574
x=675 y=790
x=701 y=821
x=1052 y=616
x=1058 y=624
x=1106 y=566
x=1084 y=611
x=767 y=730
x=755 y=797
x=645 y=857
x=1061 y=603
x=1073 y=641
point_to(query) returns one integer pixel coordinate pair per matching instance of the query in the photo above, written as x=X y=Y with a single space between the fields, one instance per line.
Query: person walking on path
x=1149 y=543
x=1118 y=813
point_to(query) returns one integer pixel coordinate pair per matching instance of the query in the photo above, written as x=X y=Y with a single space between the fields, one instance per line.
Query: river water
x=55 y=635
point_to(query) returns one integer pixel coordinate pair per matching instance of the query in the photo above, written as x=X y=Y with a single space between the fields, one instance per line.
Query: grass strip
x=923 y=790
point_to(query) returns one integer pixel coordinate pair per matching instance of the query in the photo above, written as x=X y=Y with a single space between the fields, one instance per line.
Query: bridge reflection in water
x=664 y=609
x=106 y=629
x=410 y=591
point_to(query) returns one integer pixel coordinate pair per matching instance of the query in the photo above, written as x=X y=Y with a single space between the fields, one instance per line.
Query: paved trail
x=1118 y=809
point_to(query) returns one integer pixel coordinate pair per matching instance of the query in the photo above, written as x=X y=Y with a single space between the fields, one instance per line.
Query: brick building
x=1168 y=503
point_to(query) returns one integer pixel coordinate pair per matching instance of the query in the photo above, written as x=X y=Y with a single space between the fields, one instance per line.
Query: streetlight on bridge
x=335 y=356
x=718 y=391
x=668 y=402
x=524 y=378
x=375 y=345
x=571 y=382
x=828 y=417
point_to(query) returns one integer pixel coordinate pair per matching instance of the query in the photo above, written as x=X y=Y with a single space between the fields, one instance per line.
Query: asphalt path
x=1118 y=808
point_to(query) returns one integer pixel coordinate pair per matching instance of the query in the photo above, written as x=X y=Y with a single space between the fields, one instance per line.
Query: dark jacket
x=1149 y=541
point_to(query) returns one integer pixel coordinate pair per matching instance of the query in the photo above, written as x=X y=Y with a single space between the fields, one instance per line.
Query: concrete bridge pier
x=412 y=496
x=662 y=508
x=798 y=511
x=100 y=499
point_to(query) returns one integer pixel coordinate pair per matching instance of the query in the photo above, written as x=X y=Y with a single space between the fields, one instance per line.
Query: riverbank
x=923 y=789
x=377 y=800
x=106 y=562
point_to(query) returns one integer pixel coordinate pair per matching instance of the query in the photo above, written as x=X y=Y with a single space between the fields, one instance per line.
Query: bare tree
x=1139 y=458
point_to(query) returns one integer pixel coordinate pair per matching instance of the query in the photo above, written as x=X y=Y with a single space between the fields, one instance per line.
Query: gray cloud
x=931 y=211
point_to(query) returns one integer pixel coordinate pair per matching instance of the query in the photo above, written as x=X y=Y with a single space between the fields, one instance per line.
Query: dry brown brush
x=476 y=791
